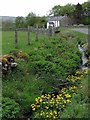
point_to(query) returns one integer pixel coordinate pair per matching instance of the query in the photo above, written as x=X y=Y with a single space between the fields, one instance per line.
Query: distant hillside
x=10 y=19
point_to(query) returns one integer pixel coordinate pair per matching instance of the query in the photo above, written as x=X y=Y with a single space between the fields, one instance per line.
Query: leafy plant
x=10 y=109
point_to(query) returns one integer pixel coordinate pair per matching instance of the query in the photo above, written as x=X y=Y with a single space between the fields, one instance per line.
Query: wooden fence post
x=88 y=36
x=37 y=33
x=50 y=31
x=28 y=35
x=16 y=38
x=44 y=32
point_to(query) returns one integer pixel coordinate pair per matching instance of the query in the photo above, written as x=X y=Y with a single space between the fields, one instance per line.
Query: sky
x=24 y=7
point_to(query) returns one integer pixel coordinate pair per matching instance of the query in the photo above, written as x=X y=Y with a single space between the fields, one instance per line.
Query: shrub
x=44 y=67
x=10 y=109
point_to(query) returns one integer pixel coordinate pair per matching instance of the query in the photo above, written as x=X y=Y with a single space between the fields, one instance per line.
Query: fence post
x=16 y=38
x=36 y=32
x=88 y=37
x=28 y=35
x=50 y=31
x=44 y=32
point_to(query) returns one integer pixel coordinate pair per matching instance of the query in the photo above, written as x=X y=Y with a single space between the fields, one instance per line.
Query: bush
x=10 y=109
x=44 y=67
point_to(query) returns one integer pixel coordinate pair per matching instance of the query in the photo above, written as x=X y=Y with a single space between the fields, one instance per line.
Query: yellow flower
x=33 y=109
x=44 y=102
x=54 y=117
x=74 y=87
x=33 y=106
x=86 y=71
x=46 y=113
x=41 y=114
x=42 y=96
x=58 y=97
x=51 y=113
x=64 y=101
x=77 y=72
x=36 y=99
x=46 y=107
x=63 y=105
x=67 y=95
x=40 y=100
x=68 y=101
x=51 y=102
x=55 y=112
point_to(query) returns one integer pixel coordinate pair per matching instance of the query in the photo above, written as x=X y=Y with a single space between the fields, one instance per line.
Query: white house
x=58 y=21
x=54 y=21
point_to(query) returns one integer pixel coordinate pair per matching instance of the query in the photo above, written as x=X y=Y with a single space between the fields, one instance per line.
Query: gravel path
x=82 y=30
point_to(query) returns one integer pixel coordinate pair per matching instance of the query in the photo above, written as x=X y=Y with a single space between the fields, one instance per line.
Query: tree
x=33 y=20
x=20 y=22
x=56 y=10
x=78 y=14
x=86 y=8
x=68 y=9
x=62 y=10
x=86 y=13
x=30 y=19
x=41 y=21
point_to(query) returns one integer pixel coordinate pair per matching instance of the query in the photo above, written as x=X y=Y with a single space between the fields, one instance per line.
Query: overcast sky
x=23 y=7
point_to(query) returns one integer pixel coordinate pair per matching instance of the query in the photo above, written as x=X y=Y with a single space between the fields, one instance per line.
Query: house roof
x=56 y=18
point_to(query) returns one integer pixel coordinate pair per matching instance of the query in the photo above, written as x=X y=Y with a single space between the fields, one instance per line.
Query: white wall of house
x=56 y=24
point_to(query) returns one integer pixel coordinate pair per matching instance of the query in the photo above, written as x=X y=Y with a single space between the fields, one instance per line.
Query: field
x=43 y=67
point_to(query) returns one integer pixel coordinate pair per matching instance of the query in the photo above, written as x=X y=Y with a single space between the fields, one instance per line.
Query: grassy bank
x=50 y=60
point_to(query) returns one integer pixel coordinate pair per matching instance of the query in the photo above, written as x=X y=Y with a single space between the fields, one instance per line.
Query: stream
x=84 y=58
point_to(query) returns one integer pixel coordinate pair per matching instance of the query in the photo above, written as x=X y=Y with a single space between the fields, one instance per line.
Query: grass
x=8 y=41
x=51 y=59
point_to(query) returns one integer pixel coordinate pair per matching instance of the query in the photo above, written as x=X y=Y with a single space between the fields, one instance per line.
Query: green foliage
x=30 y=20
x=49 y=62
x=87 y=53
x=79 y=107
x=85 y=20
x=62 y=10
x=86 y=8
x=20 y=22
x=70 y=102
x=76 y=111
x=79 y=12
x=44 y=67
x=87 y=64
x=10 y=109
